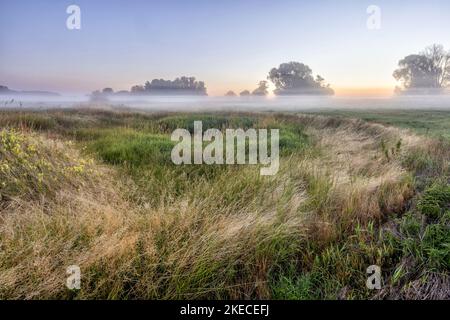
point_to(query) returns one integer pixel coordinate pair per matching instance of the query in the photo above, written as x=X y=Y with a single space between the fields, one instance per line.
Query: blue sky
x=230 y=44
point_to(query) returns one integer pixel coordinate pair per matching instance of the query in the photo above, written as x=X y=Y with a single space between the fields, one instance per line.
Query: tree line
x=179 y=86
x=425 y=72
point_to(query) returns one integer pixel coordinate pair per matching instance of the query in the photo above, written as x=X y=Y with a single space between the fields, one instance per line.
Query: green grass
x=140 y=146
x=131 y=148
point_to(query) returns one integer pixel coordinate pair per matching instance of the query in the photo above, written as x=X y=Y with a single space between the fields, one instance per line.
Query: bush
x=435 y=200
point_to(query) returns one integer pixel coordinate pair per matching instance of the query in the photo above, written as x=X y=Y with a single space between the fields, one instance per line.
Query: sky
x=229 y=44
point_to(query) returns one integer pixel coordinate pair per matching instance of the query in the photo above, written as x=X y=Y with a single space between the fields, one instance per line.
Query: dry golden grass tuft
x=57 y=208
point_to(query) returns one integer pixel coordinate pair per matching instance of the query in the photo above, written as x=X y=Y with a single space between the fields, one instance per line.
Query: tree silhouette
x=295 y=78
x=107 y=91
x=262 y=89
x=181 y=85
x=137 y=89
x=230 y=94
x=429 y=69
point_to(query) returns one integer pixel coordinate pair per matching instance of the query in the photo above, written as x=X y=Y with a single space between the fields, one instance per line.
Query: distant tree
x=98 y=96
x=108 y=91
x=181 y=85
x=262 y=89
x=244 y=93
x=230 y=94
x=429 y=69
x=295 y=78
x=137 y=89
x=4 y=89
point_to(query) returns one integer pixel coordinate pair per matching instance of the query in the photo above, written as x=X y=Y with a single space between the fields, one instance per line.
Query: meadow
x=97 y=188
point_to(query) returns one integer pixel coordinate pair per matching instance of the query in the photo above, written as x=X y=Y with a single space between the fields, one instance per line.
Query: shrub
x=435 y=200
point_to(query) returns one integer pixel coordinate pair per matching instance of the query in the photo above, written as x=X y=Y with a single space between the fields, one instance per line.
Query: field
x=434 y=123
x=96 y=188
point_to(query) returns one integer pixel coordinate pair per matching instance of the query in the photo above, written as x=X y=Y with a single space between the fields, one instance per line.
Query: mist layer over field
x=198 y=103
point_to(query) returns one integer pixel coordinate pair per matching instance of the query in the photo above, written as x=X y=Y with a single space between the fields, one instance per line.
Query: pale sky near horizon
x=230 y=45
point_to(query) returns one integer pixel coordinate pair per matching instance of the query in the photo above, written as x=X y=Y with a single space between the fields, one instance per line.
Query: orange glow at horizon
x=339 y=91
x=364 y=91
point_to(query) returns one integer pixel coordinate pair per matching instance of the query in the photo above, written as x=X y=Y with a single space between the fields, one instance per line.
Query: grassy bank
x=97 y=189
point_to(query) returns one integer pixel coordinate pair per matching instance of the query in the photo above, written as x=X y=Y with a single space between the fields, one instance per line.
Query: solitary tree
x=230 y=94
x=427 y=70
x=297 y=78
x=262 y=89
x=108 y=91
x=244 y=93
